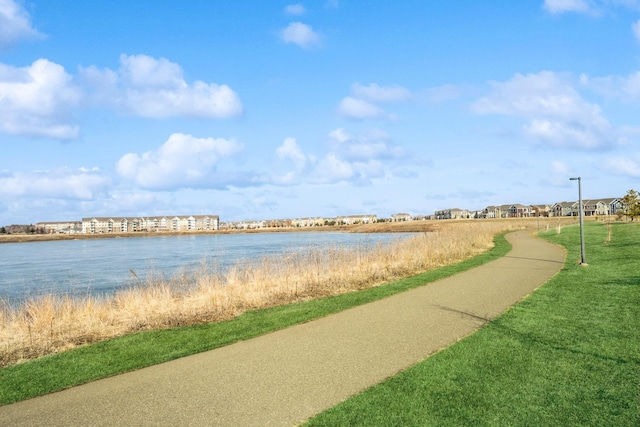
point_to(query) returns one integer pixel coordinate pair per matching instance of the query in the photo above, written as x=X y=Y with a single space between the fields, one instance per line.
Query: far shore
x=409 y=226
x=379 y=227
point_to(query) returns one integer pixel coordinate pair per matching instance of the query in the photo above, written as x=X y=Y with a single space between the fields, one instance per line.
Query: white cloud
x=356 y=159
x=81 y=184
x=295 y=9
x=156 y=88
x=300 y=34
x=362 y=102
x=183 y=161
x=554 y=111
x=359 y=109
x=15 y=24
x=36 y=100
x=372 y=145
x=145 y=71
x=588 y=7
x=332 y=169
x=626 y=88
x=339 y=135
x=624 y=166
x=375 y=93
x=562 y=6
x=292 y=151
x=635 y=27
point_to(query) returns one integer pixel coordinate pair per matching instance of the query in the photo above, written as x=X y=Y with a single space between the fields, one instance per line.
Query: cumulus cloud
x=156 y=88
x=588 y=7
x=37 y=100
x=339 y=135
x=359 y=109
x=554 y=111
x=295 y=9
x=625 y=88
x=624 y=166
x=292 y=151
x=183 y=161
x=301 y=34
x=375 y=93
x=563 y=6
x=357 y=159
x=332 y=169
x=362 y=102
x=373 y=144
x=64 y=183
x=15 y=24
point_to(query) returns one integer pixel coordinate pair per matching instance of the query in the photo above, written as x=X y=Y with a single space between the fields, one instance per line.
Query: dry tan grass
x=52 y=324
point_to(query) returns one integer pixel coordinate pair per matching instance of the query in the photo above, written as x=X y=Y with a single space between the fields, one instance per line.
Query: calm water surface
x=102 y=266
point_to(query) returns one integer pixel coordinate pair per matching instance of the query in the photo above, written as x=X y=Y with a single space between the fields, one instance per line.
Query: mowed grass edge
x=135 y=351
x=569 y=354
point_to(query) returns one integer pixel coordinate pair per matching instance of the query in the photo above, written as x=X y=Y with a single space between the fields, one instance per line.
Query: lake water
x=102 y=266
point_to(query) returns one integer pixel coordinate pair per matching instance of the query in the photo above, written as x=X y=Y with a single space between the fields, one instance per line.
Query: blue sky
x=257 y=110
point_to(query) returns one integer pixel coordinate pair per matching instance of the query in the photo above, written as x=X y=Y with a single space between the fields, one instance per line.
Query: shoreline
x=359 y=228
x=379 y=227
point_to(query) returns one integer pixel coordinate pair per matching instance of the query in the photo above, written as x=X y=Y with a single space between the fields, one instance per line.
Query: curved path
x=285 y=377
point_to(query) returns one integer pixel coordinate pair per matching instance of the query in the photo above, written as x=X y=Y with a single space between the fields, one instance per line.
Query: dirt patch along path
x=285 y=377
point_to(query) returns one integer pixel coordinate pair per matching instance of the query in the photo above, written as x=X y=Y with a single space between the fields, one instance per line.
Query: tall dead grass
x=53 y=324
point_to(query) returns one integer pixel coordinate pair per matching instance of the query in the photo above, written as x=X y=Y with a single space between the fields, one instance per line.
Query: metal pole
x=582 y=253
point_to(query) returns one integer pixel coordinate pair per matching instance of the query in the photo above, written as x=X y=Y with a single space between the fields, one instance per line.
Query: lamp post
x=582 y=257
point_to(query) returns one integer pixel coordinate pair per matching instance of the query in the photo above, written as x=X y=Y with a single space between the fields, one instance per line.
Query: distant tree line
x=22 y=229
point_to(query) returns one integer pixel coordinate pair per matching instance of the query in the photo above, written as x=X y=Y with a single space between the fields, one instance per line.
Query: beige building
x=356 y=219
x=68 y=227
x=95 y=225
x=399 y=217
x=454 y=213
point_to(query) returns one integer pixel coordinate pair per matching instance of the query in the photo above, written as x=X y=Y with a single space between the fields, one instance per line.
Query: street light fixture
x=582 y=257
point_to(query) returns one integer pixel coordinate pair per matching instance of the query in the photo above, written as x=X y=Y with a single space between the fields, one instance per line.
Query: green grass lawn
x=569 y=354
x=136 y=351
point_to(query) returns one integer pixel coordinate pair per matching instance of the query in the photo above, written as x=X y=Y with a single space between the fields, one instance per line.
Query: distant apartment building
x=66 y=227
x=95 y=225
x=356 y=219
x=301 y=222
x=399 y=217
x=454 y=213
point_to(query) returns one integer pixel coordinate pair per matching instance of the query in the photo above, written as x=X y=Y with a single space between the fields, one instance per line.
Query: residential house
x=454 y=213
x=541 y=210
x=610 y=206
x=356 y=219
x=491 y=212
x=399 y=217
x=563 y=208
x=520 y=211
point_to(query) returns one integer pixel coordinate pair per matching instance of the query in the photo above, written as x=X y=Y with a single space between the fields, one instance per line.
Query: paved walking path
x=285 y=377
